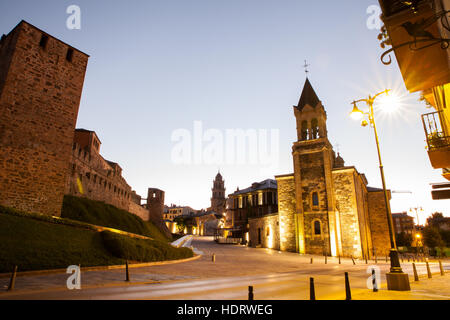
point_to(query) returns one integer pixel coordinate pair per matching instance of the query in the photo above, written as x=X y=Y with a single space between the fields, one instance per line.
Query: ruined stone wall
x=378 y=222
x=269 y=230
x=39 y=101
x=286 y=212
x=93 y=177
x=138 y=210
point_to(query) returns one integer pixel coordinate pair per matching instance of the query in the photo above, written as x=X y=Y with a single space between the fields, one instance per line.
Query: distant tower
x=41 y=80
x=218 y=201
x=155 y=206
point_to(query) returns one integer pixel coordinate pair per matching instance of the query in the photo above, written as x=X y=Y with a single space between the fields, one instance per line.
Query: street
x=273 y=275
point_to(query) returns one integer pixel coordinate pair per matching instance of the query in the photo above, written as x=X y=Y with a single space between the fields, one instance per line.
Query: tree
x=181 y=225
x=435 y=219
x=403 y=240
x=432 y=238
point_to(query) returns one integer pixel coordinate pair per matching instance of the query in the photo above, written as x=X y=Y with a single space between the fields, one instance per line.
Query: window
x=317 y=228
x=43 y=42
x=315 y=199
x=304 y=130
x=69 y=54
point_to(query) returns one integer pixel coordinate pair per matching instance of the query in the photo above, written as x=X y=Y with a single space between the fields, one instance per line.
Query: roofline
x=46 y=33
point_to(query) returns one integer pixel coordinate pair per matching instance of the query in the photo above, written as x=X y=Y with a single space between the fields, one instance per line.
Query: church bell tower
x=313 y=159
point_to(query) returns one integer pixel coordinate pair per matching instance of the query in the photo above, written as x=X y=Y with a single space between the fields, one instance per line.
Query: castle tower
x=155 y=206
x=313 y=156
x=218 y=201
x=41 y=80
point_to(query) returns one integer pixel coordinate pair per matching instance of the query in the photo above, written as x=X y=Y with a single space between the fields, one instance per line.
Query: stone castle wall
x=40 y=91
x=93 y=177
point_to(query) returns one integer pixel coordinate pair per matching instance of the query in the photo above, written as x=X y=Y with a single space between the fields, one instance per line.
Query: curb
x=100 y=268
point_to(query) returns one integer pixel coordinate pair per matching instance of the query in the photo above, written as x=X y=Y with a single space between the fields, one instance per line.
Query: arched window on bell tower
x=304 y=130
x=314 y=129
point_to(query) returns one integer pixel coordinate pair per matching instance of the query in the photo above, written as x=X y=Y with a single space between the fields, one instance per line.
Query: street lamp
x=396 y=278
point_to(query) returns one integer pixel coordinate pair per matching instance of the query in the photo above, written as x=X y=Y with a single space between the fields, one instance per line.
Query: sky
x=169 y=80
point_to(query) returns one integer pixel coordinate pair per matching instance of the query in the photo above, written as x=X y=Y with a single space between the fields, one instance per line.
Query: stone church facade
x=324 y=207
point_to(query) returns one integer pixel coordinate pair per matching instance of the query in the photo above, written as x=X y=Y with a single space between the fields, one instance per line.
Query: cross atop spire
x=306 y=68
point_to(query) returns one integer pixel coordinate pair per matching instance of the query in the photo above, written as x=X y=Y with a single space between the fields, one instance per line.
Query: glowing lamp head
x=389 y=102
x=356 y=114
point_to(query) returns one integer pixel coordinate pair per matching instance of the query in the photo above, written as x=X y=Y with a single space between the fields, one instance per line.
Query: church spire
x=308 y=96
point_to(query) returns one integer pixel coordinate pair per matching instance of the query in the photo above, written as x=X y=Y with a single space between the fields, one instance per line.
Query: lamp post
x=396 y=278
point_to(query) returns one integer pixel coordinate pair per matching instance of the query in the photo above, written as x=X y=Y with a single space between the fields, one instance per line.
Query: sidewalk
x=436 y=288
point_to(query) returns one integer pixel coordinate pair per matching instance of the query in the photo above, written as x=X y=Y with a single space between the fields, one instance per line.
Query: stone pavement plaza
x=242 y=265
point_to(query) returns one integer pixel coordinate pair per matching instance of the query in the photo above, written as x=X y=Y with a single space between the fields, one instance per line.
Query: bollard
x=311 y=260
x=366 y=259
x=428 y=270
x=325 y=259
x=441 y=268
x=416 y=276
x=348 y=294
x=126 y=271
x=374 y=281
x=312 y=292
x=12 y=282
x=386 y=258
x=376 y=259
x=353 y=260
x=339 y=259
x=213 y=258
x=250 y=293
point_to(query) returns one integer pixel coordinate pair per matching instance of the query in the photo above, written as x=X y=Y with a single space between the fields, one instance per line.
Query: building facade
x=422 y=52
x=324 y=207
x=41 y=80
x=403 y=223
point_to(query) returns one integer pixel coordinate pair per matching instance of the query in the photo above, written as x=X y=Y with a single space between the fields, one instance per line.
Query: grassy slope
x=37 y=245
x=102 y=214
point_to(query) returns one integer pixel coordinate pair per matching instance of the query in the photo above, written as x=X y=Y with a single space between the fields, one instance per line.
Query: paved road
x=273 y=274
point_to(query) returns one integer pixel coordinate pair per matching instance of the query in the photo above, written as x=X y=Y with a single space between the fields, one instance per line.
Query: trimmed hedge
x=106 y=215
x=142 y=250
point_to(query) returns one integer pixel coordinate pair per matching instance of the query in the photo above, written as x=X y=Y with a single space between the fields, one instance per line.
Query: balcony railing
x=436 y=137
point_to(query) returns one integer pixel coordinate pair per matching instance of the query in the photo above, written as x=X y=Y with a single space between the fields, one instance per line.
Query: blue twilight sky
x=158 y=66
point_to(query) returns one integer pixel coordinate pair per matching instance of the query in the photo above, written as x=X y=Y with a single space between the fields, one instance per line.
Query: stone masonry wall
x=269 y=231
x=348 y=212
x=93 y=177
x=378 y=222
x=39 y=100
x=286 y=212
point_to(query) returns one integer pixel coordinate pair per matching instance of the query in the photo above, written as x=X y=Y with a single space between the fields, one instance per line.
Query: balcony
x=420 y=41
x=438 y=140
